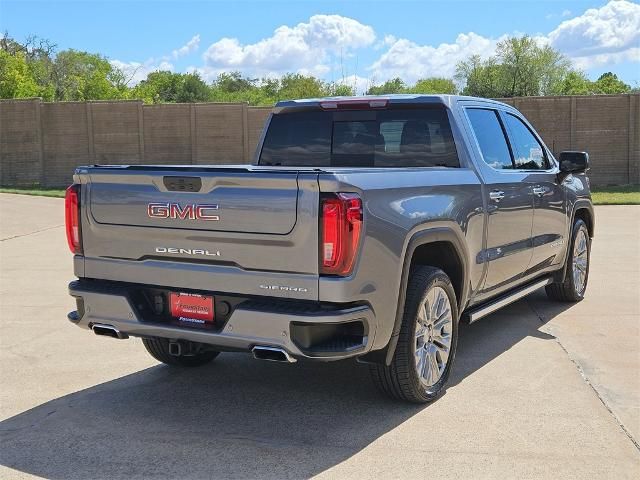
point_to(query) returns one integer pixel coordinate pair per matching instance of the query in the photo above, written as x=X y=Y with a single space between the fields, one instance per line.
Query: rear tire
x=574 y=284
x=158 y=348
x=427 y=341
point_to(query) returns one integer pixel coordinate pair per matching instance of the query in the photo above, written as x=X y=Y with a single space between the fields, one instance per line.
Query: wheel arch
x=583 y=210
x=441 y=247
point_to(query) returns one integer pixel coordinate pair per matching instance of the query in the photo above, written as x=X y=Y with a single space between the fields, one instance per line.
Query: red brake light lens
x=340 y=233
x=355 y=104
x=72 y=218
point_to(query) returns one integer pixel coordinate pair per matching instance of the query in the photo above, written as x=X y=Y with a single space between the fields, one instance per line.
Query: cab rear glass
x=395 y=137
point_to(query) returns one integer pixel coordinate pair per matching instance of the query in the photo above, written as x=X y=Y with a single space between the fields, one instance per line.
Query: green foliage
x=426 y=85
x=575 y=83
x=84 y=76
x=520 y=67
x=435 y=85
x=233 y=87
x=395 y=85
x=169 y=87
x=610 y=83
x=16 y=79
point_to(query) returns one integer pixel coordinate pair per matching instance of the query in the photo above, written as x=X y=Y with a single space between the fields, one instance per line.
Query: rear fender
x=420 y=238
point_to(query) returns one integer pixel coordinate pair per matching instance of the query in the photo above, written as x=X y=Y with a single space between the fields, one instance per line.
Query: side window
x=527 y=150
x=493 y=144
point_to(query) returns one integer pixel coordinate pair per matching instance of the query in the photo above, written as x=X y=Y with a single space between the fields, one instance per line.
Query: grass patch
x=622 y=195
x=42 y=192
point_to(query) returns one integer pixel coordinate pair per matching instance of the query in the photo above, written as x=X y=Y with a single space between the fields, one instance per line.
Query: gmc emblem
x=188 y=212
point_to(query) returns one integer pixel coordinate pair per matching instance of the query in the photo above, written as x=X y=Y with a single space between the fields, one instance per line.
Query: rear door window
x=417 y=137
x=490 y=135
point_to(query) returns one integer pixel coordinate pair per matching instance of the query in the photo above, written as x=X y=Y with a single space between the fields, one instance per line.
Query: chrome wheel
x=433 y=336
x=580 y=261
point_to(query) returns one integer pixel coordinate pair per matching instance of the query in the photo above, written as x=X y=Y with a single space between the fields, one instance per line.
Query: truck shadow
x=237 y=418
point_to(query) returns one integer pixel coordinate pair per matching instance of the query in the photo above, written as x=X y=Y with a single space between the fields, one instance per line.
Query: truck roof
x=395 y=98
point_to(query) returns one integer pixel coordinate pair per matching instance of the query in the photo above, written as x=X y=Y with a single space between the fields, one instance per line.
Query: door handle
x=496 y=195
x=539 y=191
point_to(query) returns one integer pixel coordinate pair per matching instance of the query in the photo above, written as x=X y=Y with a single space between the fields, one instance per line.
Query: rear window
x=368 y=138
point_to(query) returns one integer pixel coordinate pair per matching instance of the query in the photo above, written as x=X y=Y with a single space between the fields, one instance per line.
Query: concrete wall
x=606 y=126
x=41 y=143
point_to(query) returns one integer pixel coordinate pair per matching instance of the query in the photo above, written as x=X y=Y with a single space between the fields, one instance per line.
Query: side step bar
x=477 y=313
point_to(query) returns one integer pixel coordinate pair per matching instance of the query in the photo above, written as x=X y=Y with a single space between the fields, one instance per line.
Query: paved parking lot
x=540 y=389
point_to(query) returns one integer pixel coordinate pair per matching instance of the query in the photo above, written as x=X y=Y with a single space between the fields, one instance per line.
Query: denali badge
x=191 y=211
x=188 y=251
x=283 y=288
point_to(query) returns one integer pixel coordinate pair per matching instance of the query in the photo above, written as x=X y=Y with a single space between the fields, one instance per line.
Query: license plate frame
x=192 y=308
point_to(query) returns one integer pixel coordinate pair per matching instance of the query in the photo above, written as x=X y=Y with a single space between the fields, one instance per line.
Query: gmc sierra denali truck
x=366 y=227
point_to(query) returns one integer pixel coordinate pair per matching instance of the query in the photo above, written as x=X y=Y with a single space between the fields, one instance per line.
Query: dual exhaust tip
x=108 y=331
x=272 y=354
x=260 y=352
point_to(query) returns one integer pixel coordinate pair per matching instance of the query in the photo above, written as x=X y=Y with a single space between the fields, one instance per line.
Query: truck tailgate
x=247 y=202
x=226 y=229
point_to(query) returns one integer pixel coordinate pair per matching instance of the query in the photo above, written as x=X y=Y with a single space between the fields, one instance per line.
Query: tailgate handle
x=182 y=184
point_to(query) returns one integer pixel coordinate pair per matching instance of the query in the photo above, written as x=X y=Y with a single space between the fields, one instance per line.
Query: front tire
x=574 y=284
x=427 y=341
x=158 y=348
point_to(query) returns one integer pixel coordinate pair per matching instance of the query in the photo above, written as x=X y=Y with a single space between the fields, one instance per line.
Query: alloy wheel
x=580 y=261
x=433 y=336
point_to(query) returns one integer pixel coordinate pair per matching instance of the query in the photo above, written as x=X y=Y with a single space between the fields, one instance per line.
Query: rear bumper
x=249 y=325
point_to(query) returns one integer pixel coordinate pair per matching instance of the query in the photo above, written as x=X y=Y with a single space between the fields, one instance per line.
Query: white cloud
x=326 y=46
x=563 y=14
x=599 y=37
x=359 y=84
x=189 y=47
x=306 y=48
x=605 y=35
x=135 y=72
x=411 y=61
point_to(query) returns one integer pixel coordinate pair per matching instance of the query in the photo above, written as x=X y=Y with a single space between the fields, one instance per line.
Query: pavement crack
x=543 y=320
x=31 y=233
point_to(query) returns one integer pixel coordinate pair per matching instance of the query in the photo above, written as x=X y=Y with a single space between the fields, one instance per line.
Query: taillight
x=340 y=233
x=72 y=218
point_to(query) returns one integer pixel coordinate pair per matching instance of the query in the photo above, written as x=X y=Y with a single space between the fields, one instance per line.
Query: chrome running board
x=482 y=311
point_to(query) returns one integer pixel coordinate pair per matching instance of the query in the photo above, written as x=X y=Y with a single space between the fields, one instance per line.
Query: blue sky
x=362 y=41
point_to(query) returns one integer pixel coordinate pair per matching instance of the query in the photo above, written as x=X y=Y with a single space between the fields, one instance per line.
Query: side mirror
x=574 y=162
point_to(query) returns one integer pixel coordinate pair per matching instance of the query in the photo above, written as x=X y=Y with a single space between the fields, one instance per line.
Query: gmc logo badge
x=188 y=212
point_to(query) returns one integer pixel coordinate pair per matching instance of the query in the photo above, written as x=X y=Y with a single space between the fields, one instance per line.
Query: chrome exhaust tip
x=272 y=354
x=108 y=331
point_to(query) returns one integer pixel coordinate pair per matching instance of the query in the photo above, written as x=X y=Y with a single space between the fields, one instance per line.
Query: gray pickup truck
x=367 y=227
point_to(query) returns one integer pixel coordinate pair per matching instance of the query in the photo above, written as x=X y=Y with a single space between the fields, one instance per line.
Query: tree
x=395 y=85
x=519 y=68
x=170 y=87
x=434 y=85
x=575 y=83
x=296 y=85
x=481 y=78
x=340 y=90
x=234 y=82
x=38 y=54
x=84 y=76
x=193 y=89
x=16 y=79
x=609 y=83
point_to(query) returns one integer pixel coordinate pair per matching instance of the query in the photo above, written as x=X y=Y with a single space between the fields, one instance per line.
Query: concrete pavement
x=540 y=389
